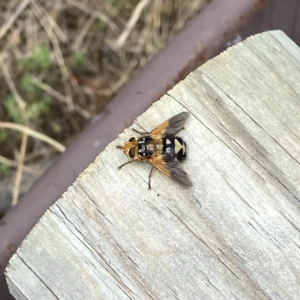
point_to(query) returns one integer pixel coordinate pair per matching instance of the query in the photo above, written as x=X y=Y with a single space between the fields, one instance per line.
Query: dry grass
x=63 y=60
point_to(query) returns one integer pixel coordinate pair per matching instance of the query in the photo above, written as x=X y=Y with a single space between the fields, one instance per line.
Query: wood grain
x=233 y=235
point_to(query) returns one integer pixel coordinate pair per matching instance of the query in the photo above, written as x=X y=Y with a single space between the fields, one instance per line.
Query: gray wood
x=233 y=235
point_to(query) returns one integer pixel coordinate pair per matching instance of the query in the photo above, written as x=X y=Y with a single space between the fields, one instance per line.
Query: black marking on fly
x=175 y=146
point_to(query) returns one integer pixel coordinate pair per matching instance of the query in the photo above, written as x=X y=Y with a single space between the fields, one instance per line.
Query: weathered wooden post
x=234 y=234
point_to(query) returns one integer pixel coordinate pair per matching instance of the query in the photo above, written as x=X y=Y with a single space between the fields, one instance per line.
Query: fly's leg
x=128 y=162
x=150 y=174
x=140 y=132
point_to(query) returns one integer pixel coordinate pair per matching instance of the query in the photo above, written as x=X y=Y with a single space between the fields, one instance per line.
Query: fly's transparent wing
x=171 y=126
x=171 y=167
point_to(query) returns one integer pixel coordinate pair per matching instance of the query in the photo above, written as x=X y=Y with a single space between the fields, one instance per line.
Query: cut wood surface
x=233 y=235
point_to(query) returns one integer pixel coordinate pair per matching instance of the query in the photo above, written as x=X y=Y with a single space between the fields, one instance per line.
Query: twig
x=7 y=24
x=84 y=113
x=82 y=33
x=30 y=31
x=132 y=22
x=22 y=105
x=55 y=28
x=93 y=13
x=19 y=169
x=123 y=78
x=58 y=54
x=11 y=163
x=20 y=102
x=34 y=134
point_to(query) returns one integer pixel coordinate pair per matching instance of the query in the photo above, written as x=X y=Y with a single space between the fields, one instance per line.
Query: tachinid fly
x=161 y=148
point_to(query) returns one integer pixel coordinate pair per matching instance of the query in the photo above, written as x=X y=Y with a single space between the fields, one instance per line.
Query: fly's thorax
x=147 y=147
x=175 y=146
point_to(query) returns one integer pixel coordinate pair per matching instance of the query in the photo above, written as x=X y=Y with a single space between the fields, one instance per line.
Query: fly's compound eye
x=132 y=139
x=131 y=152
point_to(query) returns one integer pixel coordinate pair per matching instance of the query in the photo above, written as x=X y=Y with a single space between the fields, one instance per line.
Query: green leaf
x=40 y=57
x=100 y=25
x=3 y=135
x=4 y=169
x=56 y=127
x=77 y=59
x=13 y=109
x=28 y=84
x=27 y=63
x=41 y=54
x=37 y=108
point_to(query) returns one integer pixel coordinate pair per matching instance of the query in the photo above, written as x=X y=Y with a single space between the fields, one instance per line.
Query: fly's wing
x=171 y=126
x=170 y=166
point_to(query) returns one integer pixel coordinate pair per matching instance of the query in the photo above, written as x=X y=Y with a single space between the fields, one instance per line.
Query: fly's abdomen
x=174 y=146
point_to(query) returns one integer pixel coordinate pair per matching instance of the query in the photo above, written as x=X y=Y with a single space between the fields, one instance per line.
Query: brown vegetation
x=62 y=61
